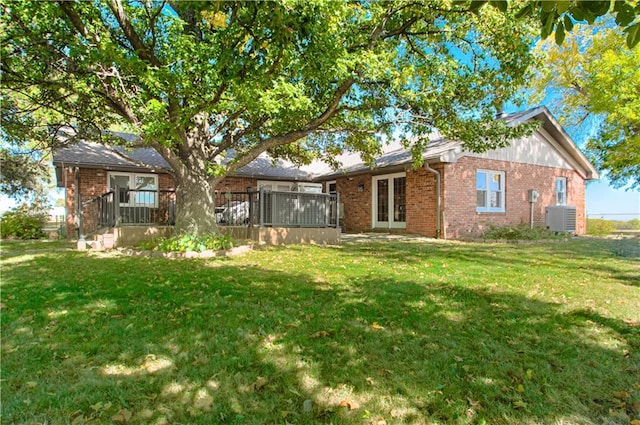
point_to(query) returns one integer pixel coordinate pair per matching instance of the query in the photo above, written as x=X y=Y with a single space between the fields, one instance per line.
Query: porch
x=125 y=216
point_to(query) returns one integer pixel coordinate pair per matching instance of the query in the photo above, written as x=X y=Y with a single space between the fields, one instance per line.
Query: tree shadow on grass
x=214 y=342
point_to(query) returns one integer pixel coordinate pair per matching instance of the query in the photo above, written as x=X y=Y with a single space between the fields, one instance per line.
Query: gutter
x=438 y=193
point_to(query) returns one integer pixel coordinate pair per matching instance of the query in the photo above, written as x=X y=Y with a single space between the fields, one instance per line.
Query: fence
x=128 y=207
x=298 y=209
x=122 y=206
x=237 y=208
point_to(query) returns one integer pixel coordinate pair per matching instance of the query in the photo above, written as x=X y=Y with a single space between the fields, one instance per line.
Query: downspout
x=78 y=202
x=66 y=200
x=437 y=173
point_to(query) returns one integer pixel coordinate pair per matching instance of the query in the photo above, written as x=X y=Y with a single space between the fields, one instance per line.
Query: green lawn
x=361 y=333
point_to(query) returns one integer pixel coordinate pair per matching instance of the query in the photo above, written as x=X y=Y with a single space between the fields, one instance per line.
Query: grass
x=17 y=247
x=455 y=333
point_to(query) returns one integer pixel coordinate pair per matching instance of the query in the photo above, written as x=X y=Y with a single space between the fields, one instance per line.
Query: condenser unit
x=560 y=218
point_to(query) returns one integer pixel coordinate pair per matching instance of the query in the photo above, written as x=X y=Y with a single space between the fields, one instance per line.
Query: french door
x=390 y=201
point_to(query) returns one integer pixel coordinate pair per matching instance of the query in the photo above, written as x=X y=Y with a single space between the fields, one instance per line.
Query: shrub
x=633 y=224
x=521 y=232
x=599 y=227
x=190 y=242
x=21 y=223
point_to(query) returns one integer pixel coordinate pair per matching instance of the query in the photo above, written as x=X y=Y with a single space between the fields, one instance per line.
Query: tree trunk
x=195 y=198
x=195 y=204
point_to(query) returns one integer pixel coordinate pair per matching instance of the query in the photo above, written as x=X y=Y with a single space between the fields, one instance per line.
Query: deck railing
x=122 y=207
x=298 y=209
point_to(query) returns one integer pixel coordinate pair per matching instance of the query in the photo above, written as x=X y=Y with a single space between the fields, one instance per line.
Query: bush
x=21 y=223
x=599 y=227
x=190 y=242
x=633 y=224
x=521 y=232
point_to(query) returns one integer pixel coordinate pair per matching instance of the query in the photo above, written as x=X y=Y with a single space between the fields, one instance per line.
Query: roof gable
x=535 y=150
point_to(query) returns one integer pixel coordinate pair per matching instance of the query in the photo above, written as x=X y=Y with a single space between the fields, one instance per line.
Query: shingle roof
x=264 y=166
x=93 y=155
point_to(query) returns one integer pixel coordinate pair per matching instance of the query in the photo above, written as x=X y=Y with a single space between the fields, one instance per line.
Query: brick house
x=456 y=194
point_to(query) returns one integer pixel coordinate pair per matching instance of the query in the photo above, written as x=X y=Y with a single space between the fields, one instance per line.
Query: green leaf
x=476 y=5
x=559 y=33
x=568 y=23
x=633 y=35
x=597 y=8
x=577 y=14
x=524 y=12
x=625 y=14
x=547 y=27
x=589 y=17
x=548 y=6
x=562 y=6
x=501 y=5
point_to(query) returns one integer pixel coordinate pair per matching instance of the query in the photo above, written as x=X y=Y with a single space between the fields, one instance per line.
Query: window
x=489 y=191
x=389 y=201
x=143 y=188
x=275 y=185
x=561 y=191
x=330 y=186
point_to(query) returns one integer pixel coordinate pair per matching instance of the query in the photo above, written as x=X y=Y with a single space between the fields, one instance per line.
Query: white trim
x=391 y=224
x=555 y=189
x=276 y=185
x=563 y=152
x=327 y=184
x=132 y=178
x=489 y=175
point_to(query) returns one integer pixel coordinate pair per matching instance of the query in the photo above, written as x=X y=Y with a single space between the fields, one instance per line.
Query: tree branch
x=67 y=8
x=130 y=32
x=333 y=105
x=292 y=136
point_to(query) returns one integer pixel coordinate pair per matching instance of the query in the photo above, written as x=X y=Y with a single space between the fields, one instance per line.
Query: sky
x=603 y=201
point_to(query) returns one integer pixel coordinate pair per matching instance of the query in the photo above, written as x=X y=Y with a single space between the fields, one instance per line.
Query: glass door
x=390 y=201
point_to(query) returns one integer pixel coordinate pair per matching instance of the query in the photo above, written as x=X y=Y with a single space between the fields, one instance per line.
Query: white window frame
x=132 y=179
x=274 y=185
x=489 y=176
x=391 y=224
x=564 y=192
x=327 y=184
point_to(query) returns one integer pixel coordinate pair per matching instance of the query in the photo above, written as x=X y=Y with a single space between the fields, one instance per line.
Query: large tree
x=594 y=77
x=558 y=17
x=211 y=85
x=24 y=162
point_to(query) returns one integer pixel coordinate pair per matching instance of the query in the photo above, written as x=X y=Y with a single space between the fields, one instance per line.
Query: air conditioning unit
x=560 y=218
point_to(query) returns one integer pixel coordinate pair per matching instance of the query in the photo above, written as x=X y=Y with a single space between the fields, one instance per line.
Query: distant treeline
x=600 y=226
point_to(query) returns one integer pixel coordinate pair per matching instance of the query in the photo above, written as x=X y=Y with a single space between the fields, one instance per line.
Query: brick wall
x=236 y=184
x=462 y=220
x=421 y=201
x=357 y=205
